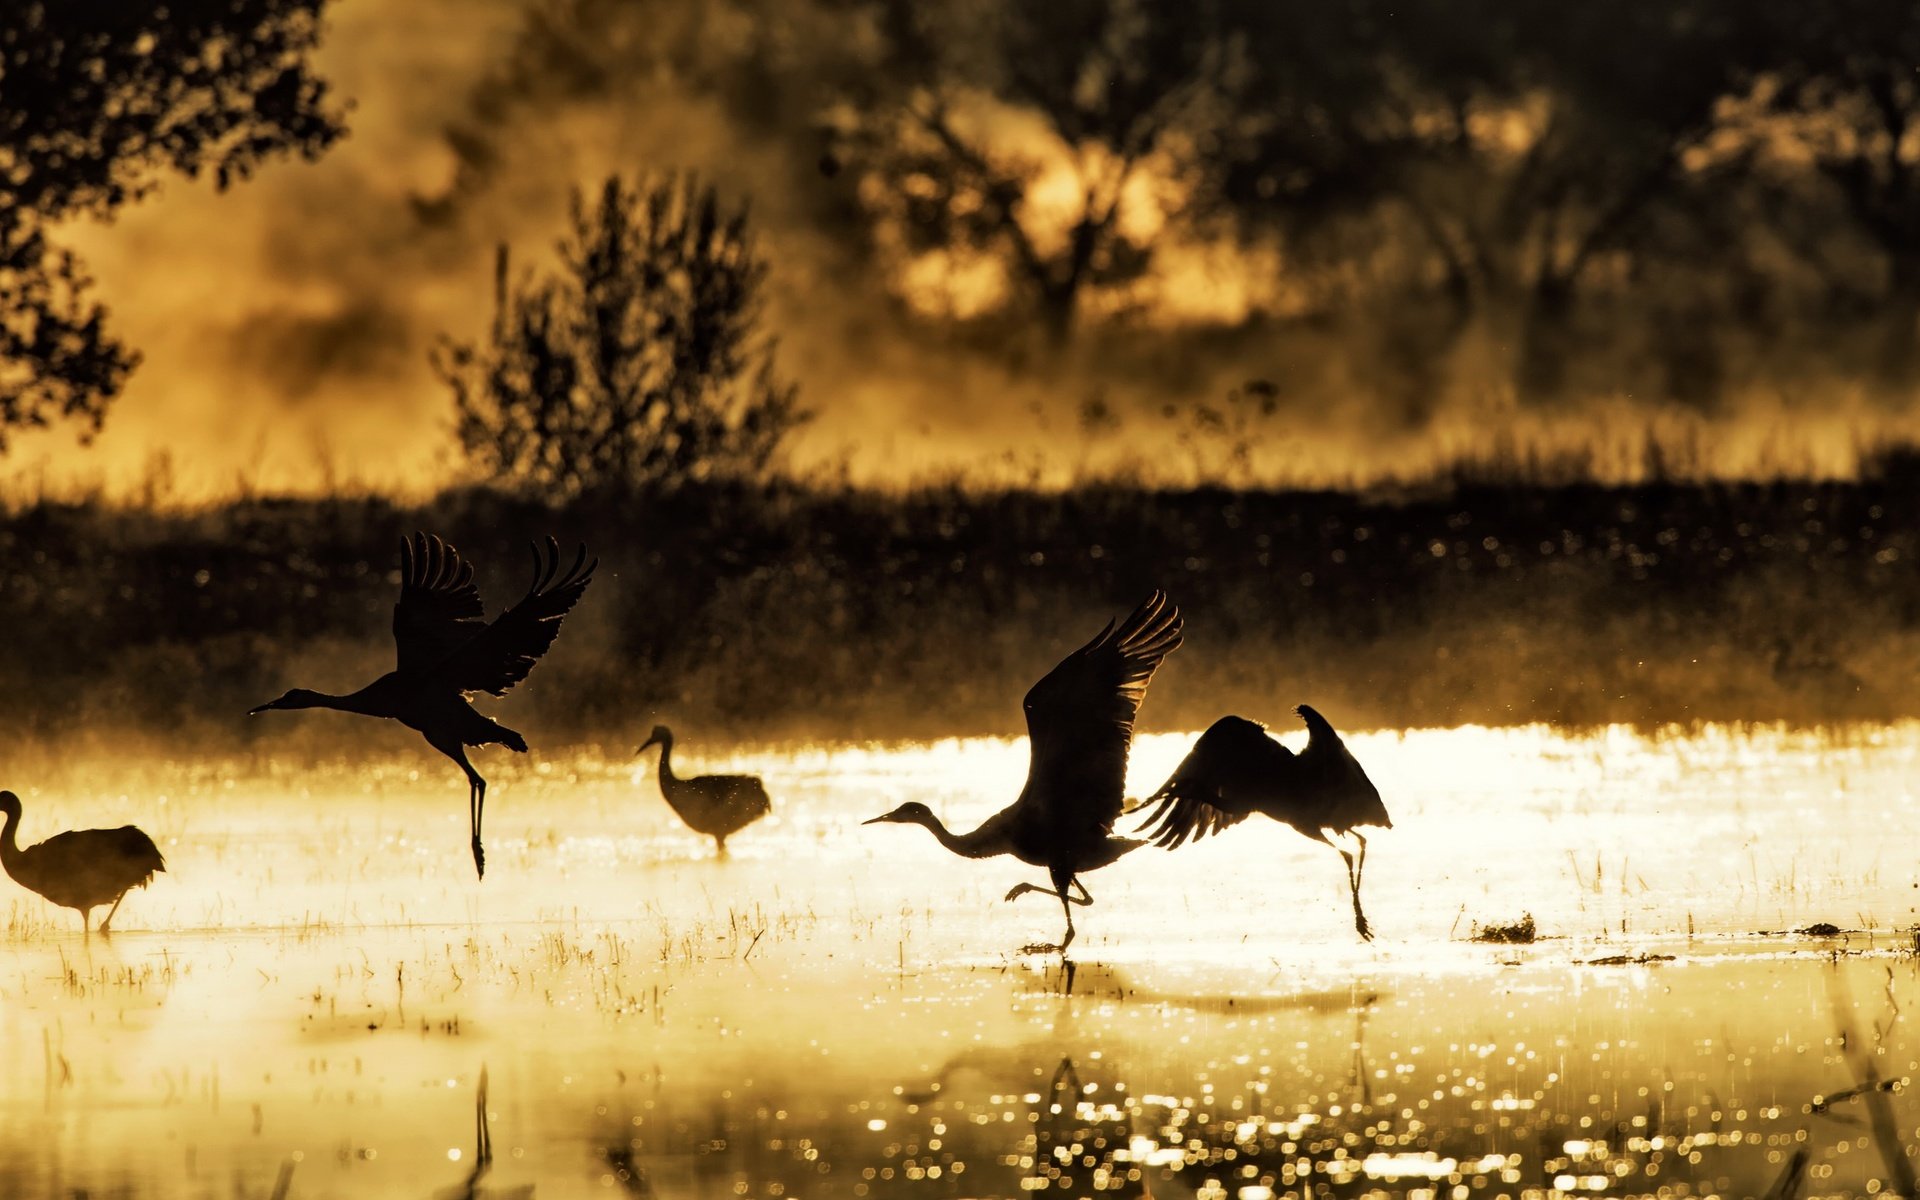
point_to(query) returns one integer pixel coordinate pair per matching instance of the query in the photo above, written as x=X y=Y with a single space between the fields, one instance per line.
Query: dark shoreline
x=846 y=614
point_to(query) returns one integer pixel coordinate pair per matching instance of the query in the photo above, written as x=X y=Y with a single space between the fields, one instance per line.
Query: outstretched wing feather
x=504 y=652
x=1080 y=721
x=1213 y=787
x=439 y=608
x=1353 y=800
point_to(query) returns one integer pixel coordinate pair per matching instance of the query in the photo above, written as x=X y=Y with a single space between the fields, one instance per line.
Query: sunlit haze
x=874 y=600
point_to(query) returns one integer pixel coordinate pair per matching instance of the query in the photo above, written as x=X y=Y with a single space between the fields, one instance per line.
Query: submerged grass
x=1512 y=933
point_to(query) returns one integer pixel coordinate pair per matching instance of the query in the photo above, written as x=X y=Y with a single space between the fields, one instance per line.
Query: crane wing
x=137 y=849
x=96 y=859
x=1080 y=720
x=1351 y=797
x=439 y=609
x=501 y=654
x=1234 y=761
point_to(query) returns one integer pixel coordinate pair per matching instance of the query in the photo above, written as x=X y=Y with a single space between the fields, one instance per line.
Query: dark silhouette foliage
x=832 y=612
x=640 y=363
x=97 y=101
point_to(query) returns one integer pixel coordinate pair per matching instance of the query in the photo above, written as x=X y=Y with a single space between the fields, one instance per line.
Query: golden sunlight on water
x=305 y=1004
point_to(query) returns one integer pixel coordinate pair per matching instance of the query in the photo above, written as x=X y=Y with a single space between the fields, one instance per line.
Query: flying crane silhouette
x=1237 y=769
x=1079 y=726
x=716 y=805
x=446 y=652
x=81 y=869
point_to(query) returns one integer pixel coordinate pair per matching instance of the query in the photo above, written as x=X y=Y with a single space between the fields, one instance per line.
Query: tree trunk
x=1546 y=339
x=1058 y=303
x=1900 y=336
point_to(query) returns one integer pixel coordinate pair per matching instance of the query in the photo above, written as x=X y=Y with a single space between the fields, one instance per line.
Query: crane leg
x=1353 y=884
x=108 y=919
x=476 y=799
x=477 y=803
x=1063 y=890
x=1021 y=889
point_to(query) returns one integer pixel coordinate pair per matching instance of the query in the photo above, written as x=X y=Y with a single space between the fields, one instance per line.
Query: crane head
x=9 y=804
x=661 y=736
x=911 y=813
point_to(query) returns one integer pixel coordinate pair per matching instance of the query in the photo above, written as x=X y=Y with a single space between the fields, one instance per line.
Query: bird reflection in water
x=628 y=1173
x=1082 y=1143
x=1268 y=1142
x=469 y=1188
x=1080 y=1133
x=1092 y=1135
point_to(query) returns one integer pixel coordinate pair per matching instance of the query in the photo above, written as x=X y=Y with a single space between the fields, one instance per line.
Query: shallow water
x=307 y=1003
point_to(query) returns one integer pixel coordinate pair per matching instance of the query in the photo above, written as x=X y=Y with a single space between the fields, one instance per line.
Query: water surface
x=308 y=1002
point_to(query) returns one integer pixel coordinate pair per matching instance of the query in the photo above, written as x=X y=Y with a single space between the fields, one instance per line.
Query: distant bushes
x=843 y=613
x=639 y=364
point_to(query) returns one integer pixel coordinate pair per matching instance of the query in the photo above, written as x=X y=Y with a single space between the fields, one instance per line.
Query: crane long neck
x=9 y=847
x=365 y=701
x=979 y=844
x=666 y=761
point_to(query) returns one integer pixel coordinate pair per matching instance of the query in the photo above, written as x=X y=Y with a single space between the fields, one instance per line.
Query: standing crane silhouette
x=1079 y=727
x=81 y=869
x=716 y=805
x=1237 y=769
x=446 y=652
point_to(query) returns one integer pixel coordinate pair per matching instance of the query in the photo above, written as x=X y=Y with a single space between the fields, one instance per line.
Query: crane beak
x=881 y=819
x=647 y=745
x=259 y=708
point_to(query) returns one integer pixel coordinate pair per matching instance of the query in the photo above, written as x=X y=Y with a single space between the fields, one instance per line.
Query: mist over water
x=837 y=1010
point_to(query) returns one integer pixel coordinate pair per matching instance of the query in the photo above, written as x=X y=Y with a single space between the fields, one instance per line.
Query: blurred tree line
x=854 y=614
x=1672 y=199
x=1506 y=165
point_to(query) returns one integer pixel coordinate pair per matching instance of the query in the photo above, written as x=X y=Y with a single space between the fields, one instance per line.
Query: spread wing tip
x=547 y=577
x=1155 y=629
x=429 y=561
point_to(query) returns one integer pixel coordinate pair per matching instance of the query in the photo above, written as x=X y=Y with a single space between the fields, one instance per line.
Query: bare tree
x=1848 y=100
x=1521 y=151
x=949 y=136
x=639 y=363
